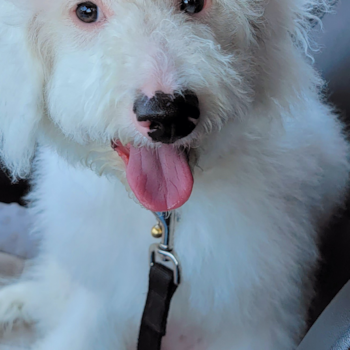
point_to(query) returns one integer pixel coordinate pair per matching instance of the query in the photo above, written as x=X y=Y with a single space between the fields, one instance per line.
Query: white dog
x=208 y=106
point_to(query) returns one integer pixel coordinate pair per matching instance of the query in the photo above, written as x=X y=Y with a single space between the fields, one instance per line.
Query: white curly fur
x=270 y=166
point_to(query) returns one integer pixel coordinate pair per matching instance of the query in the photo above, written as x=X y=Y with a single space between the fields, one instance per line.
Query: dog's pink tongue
x=161 y=179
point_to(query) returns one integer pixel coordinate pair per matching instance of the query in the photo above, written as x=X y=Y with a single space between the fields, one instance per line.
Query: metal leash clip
x=162 y=253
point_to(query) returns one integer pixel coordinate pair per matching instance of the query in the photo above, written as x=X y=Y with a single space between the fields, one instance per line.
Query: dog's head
x=148 y=82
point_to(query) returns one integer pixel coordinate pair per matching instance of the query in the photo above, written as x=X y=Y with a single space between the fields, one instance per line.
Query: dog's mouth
x=161 y=178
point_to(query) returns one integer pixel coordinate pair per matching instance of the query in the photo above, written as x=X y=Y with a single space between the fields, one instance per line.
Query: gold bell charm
x=157 y=231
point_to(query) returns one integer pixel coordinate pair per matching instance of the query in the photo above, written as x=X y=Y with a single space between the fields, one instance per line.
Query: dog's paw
x=13 y=309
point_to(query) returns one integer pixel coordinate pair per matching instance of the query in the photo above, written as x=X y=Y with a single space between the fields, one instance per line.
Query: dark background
x=333 y=61
x=11 y=192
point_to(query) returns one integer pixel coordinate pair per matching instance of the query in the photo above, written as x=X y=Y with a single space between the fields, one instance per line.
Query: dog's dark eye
x=192 y=6
x=87 y=12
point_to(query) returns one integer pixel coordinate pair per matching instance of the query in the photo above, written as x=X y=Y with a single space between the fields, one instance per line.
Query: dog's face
x=145 y=81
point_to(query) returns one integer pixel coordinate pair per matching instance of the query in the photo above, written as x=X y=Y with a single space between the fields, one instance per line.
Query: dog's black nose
x=170 y=117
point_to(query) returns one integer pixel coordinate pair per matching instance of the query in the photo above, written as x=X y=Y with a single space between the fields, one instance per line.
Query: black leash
x=155 y=315
x=164 y=279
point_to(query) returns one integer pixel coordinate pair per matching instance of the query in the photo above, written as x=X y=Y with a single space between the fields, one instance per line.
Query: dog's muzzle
x=168 y=117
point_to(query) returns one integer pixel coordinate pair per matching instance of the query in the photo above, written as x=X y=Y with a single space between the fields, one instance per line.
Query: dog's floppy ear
x=21 y=85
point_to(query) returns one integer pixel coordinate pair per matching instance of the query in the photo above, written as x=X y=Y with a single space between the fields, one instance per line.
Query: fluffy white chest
x=233 y=253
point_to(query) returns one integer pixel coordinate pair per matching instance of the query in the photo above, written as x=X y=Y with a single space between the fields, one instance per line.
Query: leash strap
x=155 y=315
x=164 y=278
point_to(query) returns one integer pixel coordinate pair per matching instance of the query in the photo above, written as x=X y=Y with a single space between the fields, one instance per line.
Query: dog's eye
x=87 y=12
x=192 y=6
